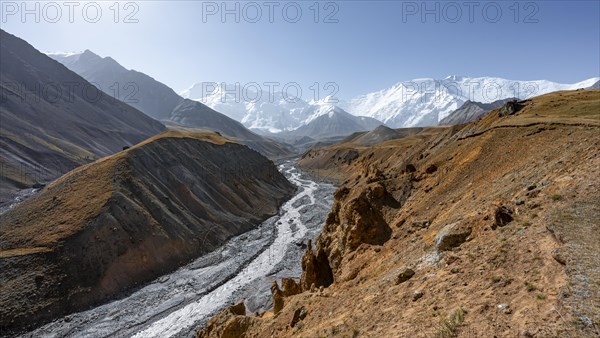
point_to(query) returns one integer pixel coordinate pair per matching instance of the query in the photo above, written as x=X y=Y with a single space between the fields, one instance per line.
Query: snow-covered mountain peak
x=417 y=102
x=425 y=101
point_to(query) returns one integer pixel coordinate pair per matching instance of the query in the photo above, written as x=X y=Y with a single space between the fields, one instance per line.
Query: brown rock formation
x=315 y=269
x=290 y=287
x=277 y=298
x=229 y=323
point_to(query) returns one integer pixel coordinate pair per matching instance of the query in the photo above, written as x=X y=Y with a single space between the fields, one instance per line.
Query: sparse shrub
x=507 y=281
x=449 y=327
x=540 y=296
x=530 y=287
x=556 y=197
x=496 y=279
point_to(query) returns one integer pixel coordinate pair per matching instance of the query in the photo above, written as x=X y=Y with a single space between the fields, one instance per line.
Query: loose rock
x=451 y=236
x=502 y=216
x=417 y=295
x=421 y=223
x=299 y=315
x=404 y=275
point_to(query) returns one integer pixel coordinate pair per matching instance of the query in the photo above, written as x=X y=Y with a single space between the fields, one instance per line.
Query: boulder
x=502 y=216
x=510 y=108
x=299 y=315
x=421 y=223
x=404 y=275
x=229 y=323
x=410 y=168
x=417 y=295
x=431 y=169
x=452 y=236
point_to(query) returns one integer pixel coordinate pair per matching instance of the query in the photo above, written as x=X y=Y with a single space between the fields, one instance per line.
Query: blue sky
x=366 y=46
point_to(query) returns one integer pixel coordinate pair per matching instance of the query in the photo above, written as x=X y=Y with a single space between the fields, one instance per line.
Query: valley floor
x=176 y=304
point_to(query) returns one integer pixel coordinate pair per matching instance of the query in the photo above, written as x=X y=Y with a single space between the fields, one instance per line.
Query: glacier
x=417 y=102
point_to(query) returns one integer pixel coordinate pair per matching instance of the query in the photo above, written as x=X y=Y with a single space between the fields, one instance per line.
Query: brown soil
x=498 y=219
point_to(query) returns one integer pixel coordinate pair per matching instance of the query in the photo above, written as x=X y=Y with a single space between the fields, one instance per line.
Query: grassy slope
x=545 y=156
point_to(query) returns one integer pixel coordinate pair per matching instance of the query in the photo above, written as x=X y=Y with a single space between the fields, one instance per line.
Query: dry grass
x=553 y=142
x=73 y=199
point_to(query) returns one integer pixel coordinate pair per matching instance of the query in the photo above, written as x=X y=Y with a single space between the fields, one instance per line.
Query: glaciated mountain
x=259 y=110
x=419 y=102
x=422 y=102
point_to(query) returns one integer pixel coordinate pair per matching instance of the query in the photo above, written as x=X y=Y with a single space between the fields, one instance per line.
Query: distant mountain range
x=423 y=102
x=276 y=113
x=159 y=101
x=419 y=102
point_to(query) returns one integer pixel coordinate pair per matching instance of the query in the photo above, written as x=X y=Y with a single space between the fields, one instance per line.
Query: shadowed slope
x=125 y=219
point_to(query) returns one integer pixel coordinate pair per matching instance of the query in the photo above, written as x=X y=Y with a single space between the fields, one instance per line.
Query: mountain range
x=53 y=120
x=159 y=101
x=418 y=102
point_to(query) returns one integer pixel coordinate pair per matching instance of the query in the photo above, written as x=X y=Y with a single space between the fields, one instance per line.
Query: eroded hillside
x=114 y=224
x=488 y=229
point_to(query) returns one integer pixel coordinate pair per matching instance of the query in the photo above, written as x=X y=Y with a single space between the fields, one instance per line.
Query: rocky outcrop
x=510 y=108
x=356 y=218
x=117 y=223
x=277 y=298
x=229 y=323
x=316 y=270
x=290 y=287
x=502 y=215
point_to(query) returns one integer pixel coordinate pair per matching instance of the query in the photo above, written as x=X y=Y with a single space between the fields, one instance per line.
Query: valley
x=242 y=268
x=166 y=175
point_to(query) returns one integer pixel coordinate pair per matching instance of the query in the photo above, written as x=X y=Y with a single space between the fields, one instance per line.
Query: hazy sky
x=362 y=46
